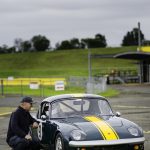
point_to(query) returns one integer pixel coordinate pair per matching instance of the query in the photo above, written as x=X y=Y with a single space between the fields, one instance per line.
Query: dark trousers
x=18 y=143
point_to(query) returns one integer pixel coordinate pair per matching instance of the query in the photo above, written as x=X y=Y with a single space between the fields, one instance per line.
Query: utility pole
x=139 y=49
x=89 y=82
x=89 y=64
x=139 y=37
x=89 y=61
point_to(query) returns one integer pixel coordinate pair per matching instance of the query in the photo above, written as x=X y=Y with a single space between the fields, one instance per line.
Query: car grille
x=117 y=147
x=122 y=147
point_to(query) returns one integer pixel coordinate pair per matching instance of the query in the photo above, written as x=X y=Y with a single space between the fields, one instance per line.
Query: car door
x=44 y=131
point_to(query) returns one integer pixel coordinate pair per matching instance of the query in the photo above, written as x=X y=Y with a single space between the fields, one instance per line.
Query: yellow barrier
x=27 y=81
x=145 y=49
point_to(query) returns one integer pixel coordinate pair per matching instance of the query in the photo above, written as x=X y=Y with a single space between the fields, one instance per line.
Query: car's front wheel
x=59 y=144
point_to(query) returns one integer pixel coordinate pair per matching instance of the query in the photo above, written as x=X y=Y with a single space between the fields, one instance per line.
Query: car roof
x=53 y=98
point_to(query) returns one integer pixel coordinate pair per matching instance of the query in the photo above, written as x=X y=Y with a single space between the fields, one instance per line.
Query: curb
x=5 y=114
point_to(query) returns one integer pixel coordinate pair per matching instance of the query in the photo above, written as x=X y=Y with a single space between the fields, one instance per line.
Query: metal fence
x=28 y=86
x=46 y=87
x=95 y=85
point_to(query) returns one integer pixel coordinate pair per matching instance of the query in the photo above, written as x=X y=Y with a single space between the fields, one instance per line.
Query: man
x=18 y=136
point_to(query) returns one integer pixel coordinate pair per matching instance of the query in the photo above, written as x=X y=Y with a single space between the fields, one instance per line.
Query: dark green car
x=85 y=122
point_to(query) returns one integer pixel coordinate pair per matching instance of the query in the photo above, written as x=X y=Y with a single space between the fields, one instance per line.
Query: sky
x=60 y=20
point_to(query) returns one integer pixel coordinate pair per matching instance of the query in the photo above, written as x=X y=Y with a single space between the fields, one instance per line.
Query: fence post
x=21 y=88
x=2 y=88
x=40 y=89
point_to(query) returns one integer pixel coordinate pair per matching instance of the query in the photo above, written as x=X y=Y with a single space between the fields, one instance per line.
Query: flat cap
x=27 y=100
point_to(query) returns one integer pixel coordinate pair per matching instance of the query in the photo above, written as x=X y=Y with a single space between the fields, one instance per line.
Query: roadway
x=133 y=103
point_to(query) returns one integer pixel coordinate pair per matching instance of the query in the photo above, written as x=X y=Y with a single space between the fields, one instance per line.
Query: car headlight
x=133 y=131
x=78 y=135
x=141 y=130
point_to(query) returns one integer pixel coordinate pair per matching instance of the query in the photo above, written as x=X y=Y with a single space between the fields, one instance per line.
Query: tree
x=131 y=38
x=40 y=43
x=57 y=45
x=101 y=40
x=26 y=46
x=3 y=49
x=75 y=43
x=98 y=41
x=65 y=45
x=6 y=49
x=11 y=49
x=18 y=44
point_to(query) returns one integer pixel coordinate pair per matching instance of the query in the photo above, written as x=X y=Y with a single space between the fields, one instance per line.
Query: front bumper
x=106 y=142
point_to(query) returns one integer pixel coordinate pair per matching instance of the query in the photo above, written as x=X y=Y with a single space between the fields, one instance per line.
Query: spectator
x=18 y=135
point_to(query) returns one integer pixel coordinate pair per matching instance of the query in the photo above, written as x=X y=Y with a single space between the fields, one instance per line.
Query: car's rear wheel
x=59 y=144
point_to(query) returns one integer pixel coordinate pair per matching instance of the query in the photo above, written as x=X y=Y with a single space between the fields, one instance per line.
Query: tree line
x=42 y=43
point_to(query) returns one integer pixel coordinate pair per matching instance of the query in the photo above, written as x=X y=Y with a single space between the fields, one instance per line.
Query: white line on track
x=147 y=132
x=3 y=114
x=140 y=107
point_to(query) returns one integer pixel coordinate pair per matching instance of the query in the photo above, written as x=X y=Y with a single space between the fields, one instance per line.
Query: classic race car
x=85 y=122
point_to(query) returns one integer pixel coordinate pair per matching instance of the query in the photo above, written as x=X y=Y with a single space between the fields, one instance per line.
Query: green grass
x=110 y=93
x=62 y=63
x=44 y=91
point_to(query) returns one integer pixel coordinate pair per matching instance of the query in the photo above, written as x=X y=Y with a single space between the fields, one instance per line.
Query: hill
x=62 y=63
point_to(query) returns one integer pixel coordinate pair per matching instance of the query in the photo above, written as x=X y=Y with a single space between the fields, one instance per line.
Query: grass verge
x=110 y=93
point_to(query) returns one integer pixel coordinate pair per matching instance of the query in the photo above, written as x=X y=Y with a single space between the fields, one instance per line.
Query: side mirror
x=118 y=114
x=43 y=117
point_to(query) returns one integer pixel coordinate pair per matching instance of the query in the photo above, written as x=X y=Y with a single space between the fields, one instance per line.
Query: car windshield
x=80 y=106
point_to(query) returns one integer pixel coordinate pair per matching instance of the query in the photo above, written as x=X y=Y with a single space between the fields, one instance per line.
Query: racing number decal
x=39 y=131
x=107 y=132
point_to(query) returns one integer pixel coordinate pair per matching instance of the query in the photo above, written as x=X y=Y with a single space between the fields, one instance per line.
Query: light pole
x=89 y=63
x=139 y=37
x=139 y=49
x=89 y=82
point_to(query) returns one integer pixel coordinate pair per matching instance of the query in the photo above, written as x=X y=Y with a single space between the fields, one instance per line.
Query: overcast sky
x=64 y=19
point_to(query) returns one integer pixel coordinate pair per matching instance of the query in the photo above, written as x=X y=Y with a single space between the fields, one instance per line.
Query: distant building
x=143 y=57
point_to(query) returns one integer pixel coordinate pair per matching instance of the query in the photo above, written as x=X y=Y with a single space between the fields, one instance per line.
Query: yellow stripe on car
x=107 y=132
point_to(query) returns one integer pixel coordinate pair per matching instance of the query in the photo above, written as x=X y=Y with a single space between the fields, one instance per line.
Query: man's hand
x=35 y=125
x=28 y=137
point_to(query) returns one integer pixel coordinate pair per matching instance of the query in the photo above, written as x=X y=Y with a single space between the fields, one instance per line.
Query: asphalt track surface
x=133 y=103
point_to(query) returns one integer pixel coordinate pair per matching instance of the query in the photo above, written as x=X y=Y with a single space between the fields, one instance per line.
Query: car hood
x=98 y=128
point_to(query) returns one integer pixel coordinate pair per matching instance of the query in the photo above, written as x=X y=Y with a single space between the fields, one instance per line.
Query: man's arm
x=33 y=121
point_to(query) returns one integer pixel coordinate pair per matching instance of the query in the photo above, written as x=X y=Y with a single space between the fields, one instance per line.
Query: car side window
x=45 y=110
x=56 y=110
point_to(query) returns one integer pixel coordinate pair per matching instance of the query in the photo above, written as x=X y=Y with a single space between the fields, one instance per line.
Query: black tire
x=59 y=143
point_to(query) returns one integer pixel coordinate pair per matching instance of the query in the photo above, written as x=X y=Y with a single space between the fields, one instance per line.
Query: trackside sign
x=59 y=86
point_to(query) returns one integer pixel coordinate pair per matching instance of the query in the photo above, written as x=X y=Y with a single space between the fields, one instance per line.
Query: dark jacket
x=19 y=123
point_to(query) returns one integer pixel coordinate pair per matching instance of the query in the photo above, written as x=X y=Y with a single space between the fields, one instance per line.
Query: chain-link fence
x=95 y=85
x=45 y=87
x=29 y=86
